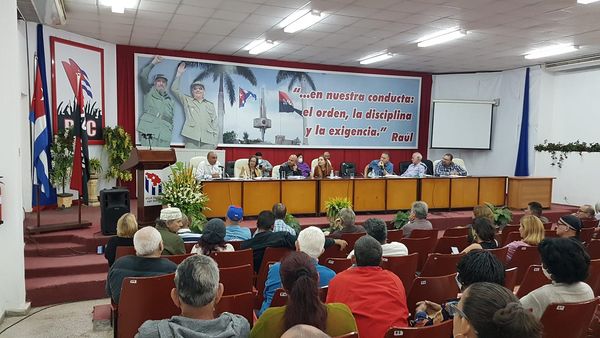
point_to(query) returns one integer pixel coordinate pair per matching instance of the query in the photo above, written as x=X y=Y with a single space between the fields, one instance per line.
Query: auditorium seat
x=444 y=245
x=394 y=235
x=273 y=255
x=195 y=161
x=423 y=246
x=507 y=230
x=438 y=264
x=351 y=238
x=568 y=319
x=510 y=278
x=279 y=298
x=405 y=267
x=338 y=264
x=333 y=252
x=261 y=279
x=512 y=237
x=347 y=168
x=228 y=259
x=593 y=279
x=550 y=233
x=275 y=172
x=500 y=253
x=422 y=233
x=435 y=289
x=523 y=257
x=589 y=223
x=593 y=248
x=237 y=279
x=237 y=167
x=348 y=335
x=240 y=304
x=124 y=251
x=548 y=226
x=188 y=247
x=229 y=168
x=237 y=245
x=440 y=330
x=586 y=234
x=177 y=259
x=402 y=166
x=429 y=165
x=456 y=231
x=534 y=278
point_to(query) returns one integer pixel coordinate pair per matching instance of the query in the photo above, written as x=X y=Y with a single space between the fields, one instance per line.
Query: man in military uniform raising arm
x=157 y=116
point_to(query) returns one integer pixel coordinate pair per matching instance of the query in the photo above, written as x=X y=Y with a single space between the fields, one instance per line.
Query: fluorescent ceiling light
x=375 y=58
x=118 y=6
x=585 y=2
x=441 y=37
x=293 y=17
x=305 y=21
x=263 y=47
x=254 y=44
x=551 y=50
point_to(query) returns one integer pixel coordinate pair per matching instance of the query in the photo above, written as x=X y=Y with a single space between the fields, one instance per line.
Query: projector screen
x=462 y=124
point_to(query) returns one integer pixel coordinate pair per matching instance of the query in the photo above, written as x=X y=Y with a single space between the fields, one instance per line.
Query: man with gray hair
x=416 y=168
x=304 y=331
x=197 y=291
x=417 y=218
x=345 y=223
x=375 y=296
x=310 y=241
x=146 y=263
x=377 y=229
x=209 y=169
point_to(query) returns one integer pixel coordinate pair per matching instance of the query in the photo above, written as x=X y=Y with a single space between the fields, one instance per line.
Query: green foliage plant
x=502 y=215
x=333 y=207
x=401 y=218
x=62 y=155
x=559 y=152
x=118 y=145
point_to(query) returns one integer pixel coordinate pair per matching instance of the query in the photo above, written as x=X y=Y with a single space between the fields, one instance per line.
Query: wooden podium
x=142 y=160
x=525 y=189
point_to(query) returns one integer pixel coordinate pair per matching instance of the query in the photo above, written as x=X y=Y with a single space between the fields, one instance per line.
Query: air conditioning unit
x=49 y=12
x=582 y=63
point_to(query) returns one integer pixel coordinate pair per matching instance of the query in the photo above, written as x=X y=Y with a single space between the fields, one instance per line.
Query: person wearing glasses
x=568 y=226
x=492 y=311
x=446 y=167
x=585 y=211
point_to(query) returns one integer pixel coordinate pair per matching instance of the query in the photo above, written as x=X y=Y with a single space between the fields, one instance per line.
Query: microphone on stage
x=149 y=137
x=223 y=172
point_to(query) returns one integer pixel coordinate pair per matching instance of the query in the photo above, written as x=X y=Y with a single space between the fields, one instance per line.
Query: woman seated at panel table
x=251 y=170
x=323 y=168
x=303 y=166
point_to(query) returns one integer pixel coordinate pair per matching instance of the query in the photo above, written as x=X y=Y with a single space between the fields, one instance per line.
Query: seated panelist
x=290 y=168
x=323 y=168
x=446 y=167
x=381 y=167
x=416 y=168
x=251 y=170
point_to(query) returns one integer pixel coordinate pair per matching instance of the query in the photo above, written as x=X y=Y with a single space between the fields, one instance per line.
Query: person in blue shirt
x=310 y=241
x=381 y=167
x=235 y=232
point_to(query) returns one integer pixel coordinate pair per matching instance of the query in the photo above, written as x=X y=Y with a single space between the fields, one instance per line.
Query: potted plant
x=182 y=191
x=118 y=145
x=333 y=207
x=62 y=161
x=92 y=185
x=292 y=222
x=502 y=215
x=401 y=219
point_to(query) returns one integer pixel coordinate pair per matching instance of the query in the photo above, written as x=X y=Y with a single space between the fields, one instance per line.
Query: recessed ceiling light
x=441 y=37
x=308 y=19
x=551 y=50
x=375 y=57
x=585 y=2
x=262 y=47
x=118 y=6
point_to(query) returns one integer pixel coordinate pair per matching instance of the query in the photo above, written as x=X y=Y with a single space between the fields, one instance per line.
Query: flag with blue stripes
x=37 y=116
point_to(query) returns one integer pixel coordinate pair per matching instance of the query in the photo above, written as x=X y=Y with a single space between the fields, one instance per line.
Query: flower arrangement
x=118 y=144
x=62 y=155
x=184 y=192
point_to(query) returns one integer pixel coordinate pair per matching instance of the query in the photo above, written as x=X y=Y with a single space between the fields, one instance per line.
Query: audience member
x=566 y=263
x=185 y=232
x=345 y=223
x=126 y=228
x=377 y=229
x=568 y=226
x=323 y=168
x=416 y=168
x=264 y=165
x=482 y=235
x=597 y=208
x=168 y=224
x=251 y=170
x=381 y=167
x=290 y=168
x=234 y=231
x=213 y=238
x=446 y=167
x=310 y=241
x=531 y=230
x=417 y=218
x=300 y=280
x=535 y=209
x=147 y=262
x=585 y=212
x=279 y=210
x=304 y=331
x=303 y=166
x=483 y=211
x=197 y=291
x=209 y=169
x=375 y=296
x=488 y=310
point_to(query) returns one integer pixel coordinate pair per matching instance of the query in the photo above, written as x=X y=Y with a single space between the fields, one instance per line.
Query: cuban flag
x=244 y=95
x=286 y=105
x=37 y=116
x=152 y=184
x=72 y=69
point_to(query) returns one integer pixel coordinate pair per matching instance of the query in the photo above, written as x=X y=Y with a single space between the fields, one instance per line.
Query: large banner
x=202 y=104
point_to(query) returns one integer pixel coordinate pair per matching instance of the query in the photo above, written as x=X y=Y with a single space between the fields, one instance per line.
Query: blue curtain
x=522 y=167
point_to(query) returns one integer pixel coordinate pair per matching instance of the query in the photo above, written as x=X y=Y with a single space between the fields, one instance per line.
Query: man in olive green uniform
x=168 y=224
x=200 y=129
x=157 y=117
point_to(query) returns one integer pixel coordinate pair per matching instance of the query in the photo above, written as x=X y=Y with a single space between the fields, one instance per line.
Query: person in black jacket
x=126 y=228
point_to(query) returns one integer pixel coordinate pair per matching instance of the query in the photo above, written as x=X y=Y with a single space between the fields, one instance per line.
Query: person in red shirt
x=375 y=296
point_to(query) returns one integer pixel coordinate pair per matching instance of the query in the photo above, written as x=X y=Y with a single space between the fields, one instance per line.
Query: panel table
x=331 y=188
x=401 y=193
x=522 y=190
x=299 y=196
x=221 y=194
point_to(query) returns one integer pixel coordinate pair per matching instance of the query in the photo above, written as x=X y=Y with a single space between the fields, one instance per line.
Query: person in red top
x=375 y=296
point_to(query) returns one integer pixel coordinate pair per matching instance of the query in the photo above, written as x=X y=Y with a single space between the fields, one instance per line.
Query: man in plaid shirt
x=446 y=167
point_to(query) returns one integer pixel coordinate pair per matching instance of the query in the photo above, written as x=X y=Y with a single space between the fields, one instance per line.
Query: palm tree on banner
x=305 y=81
x=222 y=73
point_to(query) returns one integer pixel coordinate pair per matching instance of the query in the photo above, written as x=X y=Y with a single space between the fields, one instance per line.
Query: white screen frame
x=487 y=107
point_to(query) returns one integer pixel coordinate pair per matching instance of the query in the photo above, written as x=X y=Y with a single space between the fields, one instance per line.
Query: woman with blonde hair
x=323 y=168
x=126 y=228
x=531 y=229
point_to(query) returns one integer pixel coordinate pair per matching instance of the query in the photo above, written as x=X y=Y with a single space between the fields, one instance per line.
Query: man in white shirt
x=209 y=169
x=377 y=229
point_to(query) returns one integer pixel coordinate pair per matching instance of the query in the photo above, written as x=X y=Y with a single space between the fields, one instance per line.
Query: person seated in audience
x=168 y=224
x=146 y=263
x=597 y=207
x=531 y=230
x=209 y=169
x=300 y=280
x=377 y=229
x=303 y=166
x=416 y=168
x=446 y=167
x=310 y=241
x=376 y=297
x=568 y=226
x=345 y=223
x=185 y=232
x=290 y=168
x=535 y=209
x=489 y=310
x=475 y=267
x=263 y=165
x=279 y=210
x=482 y=235
x=417 y=218
x=126 y=228
x=197 y=291
x=483 y=211
x=234 y=231
x=566 y=263
x=304 y=331
x=212 y=239
x=585 y=211
x=264 y=237
x=381 y=167
x=251 y=170
x=323 y=168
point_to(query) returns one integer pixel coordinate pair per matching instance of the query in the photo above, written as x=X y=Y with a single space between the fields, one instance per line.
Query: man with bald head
x=416 y=168
x=209 y=169
x=290 y=168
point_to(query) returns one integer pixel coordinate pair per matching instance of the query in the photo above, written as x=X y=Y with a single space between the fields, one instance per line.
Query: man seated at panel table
x=290 y=168
x=211 y=168
x=416 y=168
x=381 y=167
x=446 y=167
x=263 y=165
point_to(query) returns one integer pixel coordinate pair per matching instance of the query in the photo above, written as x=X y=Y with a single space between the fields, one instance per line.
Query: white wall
x=12 y=278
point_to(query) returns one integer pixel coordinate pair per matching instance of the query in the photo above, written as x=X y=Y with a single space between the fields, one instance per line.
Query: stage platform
x=63 y=266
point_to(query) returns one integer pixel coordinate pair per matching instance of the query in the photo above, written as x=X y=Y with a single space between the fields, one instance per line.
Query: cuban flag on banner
x=37 y=116
x=286 y=105
x=152 y=184
x=72 y=69
x=244 y=95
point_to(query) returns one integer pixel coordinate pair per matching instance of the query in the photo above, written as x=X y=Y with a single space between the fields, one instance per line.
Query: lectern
x=141 y=160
